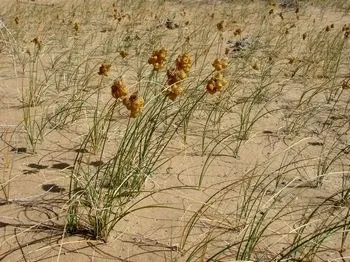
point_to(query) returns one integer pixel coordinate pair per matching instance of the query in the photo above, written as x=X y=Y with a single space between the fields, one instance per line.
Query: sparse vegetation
x=197 y=130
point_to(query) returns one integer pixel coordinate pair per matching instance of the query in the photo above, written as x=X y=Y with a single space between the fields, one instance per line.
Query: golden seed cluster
x=158 y=59
x=178 y=74
x=119 y=89
x=220 y=64
x=174 y=91
x=184 y=62
x=218 y=81
x=134 y=103
x=175 y=75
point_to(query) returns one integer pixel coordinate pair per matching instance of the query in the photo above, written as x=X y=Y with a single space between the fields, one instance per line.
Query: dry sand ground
x=32 y=221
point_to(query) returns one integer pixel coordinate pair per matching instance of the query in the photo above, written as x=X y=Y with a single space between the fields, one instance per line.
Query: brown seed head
x=158 y=59
x=346 y=84
x=119 y=89
x=221 y=26
x=76 y=27
x=216 y=83
x=220 y=64
x=184 y=62
x=123 y=54
x=37 y=42
x=238 y=31
x=174 y=91
x=255 y=66
x=104 y=69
